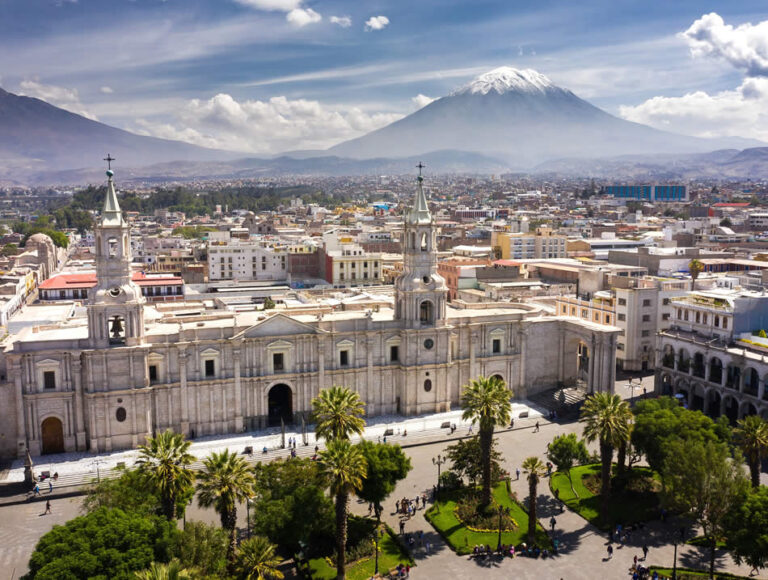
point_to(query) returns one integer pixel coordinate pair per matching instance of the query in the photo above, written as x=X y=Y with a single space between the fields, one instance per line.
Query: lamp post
x=439 y=460
x=248 y=516
x=376 y=535
x=502 y=511
x=631 y=385
x=680 y=533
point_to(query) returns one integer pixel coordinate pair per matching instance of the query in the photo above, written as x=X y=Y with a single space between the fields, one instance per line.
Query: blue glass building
x=649 y=193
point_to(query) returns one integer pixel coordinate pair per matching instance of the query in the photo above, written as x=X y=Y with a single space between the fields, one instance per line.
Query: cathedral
x=127 y=370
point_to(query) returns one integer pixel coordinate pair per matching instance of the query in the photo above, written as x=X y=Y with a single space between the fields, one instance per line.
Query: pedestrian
x=37 y=489
x=517 y=472
x=552 y=522
x=424 y=499
x=634 y=562
x=645 y=552
x=402 y=527
x=536 y=427
x=610 y=551
x=397 y=506
x=470 y=430
x=512 y=423
x=429 y=547
x=50 y=486
x=48 y=506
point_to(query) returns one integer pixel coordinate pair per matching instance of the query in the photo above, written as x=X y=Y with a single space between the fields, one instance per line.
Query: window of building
x=153 y=373
x=621 y=317
x=584 y=313
x=428 y=385
x=622 y=302
x=665 y=316
x=120 y=414
x=394 y=353
x=679 y=313
x=717 y=321
x=573 y=311
x=607 y=318
x=665 y=301
x=619 y=346
x=646 y=317
x=685 y=315
x=698 y=317
x=49 y=379
x=565 y=309
x=725 y=322
x=210 y=368
x=277 y=361
x=704 y=318
x=496 y=345
x=646 y=333
x=344 y=358
x=646 y=302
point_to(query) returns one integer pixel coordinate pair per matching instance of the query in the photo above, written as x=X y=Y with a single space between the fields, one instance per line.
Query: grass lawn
x=442 y=516
x=391 y=552
x=702 y=542
x=624 y=507
x=687 y=574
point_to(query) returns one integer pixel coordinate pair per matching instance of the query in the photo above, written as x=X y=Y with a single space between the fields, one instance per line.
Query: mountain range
x=504 y=120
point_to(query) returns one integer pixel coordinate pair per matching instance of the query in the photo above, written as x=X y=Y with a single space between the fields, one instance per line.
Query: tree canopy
x=387 y=464
x=747 y=529
x=566 y=451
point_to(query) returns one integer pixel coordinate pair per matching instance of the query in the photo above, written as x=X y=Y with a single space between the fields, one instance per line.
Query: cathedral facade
x=126 y=371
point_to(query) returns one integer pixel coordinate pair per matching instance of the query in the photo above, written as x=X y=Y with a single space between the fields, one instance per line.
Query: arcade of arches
x=715 y=381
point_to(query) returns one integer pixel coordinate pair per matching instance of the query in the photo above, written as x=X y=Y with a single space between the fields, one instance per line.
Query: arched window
x=427 y=312
x=424 y=242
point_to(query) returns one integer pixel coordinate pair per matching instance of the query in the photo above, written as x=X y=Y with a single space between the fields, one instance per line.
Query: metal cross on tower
x=109 y=159
x=420 y=166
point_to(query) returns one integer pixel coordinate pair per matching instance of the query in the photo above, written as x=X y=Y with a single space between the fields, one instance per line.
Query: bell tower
x=420 y=292
x=115 y=304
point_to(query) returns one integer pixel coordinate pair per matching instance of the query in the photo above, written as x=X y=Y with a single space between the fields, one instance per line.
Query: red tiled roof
x=724 y=204
x=77 y=281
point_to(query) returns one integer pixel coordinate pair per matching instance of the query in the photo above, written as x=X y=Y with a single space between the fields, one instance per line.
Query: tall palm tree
x=695 y=267
x=607 y=420
x=225 y=481
x=257 y=560
x=751 y=436
x=164 y=461
x=535 y=469
x=170 y=571
x=345 y=467
x=486 y=400
x=338 y=413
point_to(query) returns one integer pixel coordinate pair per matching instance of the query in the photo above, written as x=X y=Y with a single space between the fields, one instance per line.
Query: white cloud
x=272 y=126
x=742 y=112
x=107 y=90
x=62 y=97
x=376 y=23
x=745 y=47
x=303 y=16
x=272 y=5
x=422 y=100
x=343 y=21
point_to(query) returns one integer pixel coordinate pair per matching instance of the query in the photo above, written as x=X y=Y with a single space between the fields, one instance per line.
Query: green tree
x=387 y=464
x=659 y=422
x=535 y=469
x=257 y=560
x=225 y=481
x=486 y=400
x=751 y=435
x=606 y=419
x=338 y=413
x=726 y=222
x=566 y=451
x=107 y=543
x=695 y=267
x=704 y=483
x=269 y=304
x=344 y=466
x=9 y=250
x=128 y=492
x=747 y=529
x=173 y=570
x=467 y=461
x=291 y=507
x=164 y=463
x=203 y=547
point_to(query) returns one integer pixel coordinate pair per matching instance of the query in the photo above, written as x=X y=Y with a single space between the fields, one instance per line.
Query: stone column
x=373 y=408
x=238 y=391
x=22 y=429
x=523 y=349
x=182 y=352
x=321 y=363
x=79 y=410
x=591 y=367
x=474 y=336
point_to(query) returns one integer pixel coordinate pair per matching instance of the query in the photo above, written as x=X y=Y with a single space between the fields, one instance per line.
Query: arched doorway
x=279 y=405
x=731 y=409
x=52 y=436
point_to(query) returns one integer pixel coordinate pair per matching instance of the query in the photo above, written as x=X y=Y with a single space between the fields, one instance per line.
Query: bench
x=445 y=425
x=248 y=450
x=389 y=432
x=523 y=415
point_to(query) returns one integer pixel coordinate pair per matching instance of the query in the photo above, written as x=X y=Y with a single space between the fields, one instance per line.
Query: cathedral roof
x=419 y=214
x=111 y=215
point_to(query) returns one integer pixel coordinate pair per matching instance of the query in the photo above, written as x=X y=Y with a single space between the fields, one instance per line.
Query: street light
x=248 y=516
x=631 y=385
x=376 y=535
x=502 y=511
x=439 y=461
x=681 y=533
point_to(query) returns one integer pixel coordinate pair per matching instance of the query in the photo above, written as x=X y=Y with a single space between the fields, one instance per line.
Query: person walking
x=536 y=427
x=610 y=551
x=552 y=522
x=517 y=472
x=402 y=527
x=50 y=486
x=645 y=552
x=36 y=489
x=48 y=506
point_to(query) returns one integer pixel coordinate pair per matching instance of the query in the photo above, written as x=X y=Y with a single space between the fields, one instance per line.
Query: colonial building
x=131 y=369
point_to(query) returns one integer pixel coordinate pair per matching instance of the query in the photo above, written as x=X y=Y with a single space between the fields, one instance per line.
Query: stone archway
x=52 y=435
x=279 y=405
x=714 y=402
x=731 y=408
x=746 y=409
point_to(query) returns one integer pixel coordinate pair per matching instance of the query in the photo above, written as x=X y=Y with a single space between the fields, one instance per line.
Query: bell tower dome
x=420 y=292
x=115 y=304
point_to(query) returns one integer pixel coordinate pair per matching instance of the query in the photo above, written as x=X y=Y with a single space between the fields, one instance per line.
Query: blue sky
x=273 y=75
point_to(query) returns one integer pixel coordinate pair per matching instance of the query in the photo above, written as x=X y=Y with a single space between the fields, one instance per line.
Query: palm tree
x=345 y=467
x=751 y=436
x=535 y=469
x=225 y=481
x=257 y=560
x=170 y=571
x=163 y=462
x=695 y=267
x=338 y=412
x=606 y=419
x=486 y=400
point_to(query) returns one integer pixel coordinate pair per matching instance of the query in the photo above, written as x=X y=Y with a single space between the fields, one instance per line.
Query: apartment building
x=542 y=244
x=233 y=259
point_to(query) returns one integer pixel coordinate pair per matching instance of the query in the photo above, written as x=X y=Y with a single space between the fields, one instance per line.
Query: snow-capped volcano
x=505 y=79
x=521 y=118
